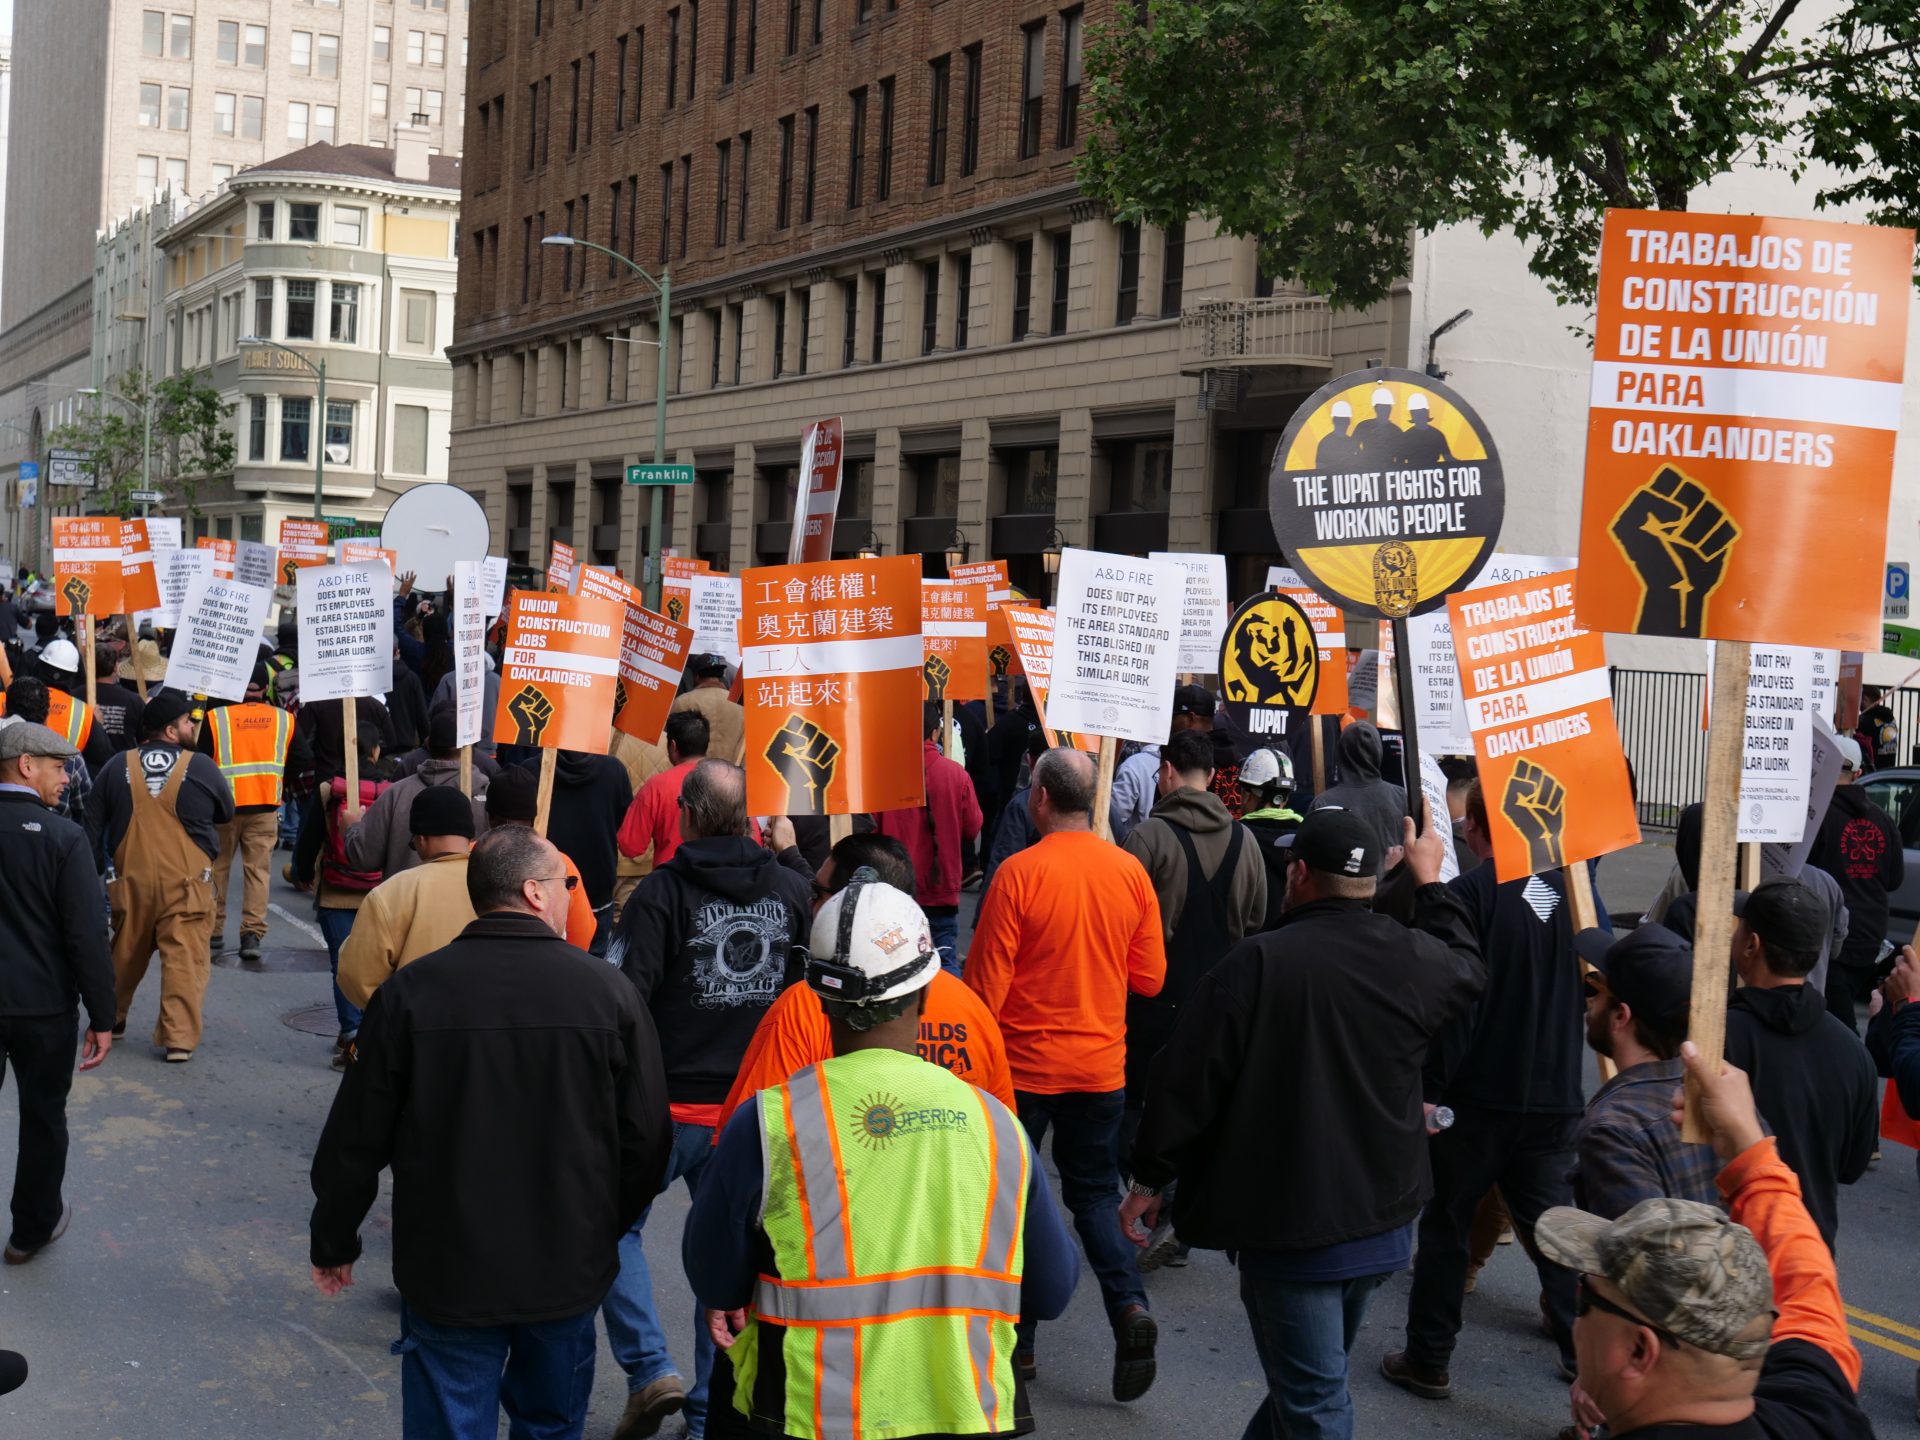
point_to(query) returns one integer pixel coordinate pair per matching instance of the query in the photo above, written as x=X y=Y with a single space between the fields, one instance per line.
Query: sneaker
x=250 y=948
x=16 y=1256
x=1161 y=1247
x=1134 y=1337
x=1427 y=1384
x=649 y=1406
x=217 y=944
x=177 y=1056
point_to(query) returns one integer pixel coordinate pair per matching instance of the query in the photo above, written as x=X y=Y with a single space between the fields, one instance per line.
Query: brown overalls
x=162 y=899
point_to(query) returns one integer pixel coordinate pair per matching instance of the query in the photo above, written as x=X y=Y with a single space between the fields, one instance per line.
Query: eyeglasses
x=572 y=882
x=1586 y=1298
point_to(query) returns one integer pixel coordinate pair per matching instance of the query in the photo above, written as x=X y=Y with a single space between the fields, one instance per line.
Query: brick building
x=868 y=209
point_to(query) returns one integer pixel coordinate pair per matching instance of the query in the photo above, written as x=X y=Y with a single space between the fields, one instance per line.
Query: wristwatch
x=1134 y=1187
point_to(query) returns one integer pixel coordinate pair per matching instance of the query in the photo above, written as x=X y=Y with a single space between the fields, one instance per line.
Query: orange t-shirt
x=955 y=1031
x=1067 y=929
x=579 y=908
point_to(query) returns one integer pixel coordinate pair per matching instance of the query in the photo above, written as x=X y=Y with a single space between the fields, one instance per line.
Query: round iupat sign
x=1386 y=492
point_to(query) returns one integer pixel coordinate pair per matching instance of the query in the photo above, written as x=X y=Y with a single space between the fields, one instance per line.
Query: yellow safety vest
x=895 y=1201
x=250 y=747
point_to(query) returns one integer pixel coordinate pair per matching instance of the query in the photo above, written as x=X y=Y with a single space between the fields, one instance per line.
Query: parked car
x=36 y=598
x=1898 y=793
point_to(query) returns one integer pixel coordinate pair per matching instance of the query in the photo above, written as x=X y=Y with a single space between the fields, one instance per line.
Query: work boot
x=1026 y=1366
x=119 y=1029
x=21 y=1257
x=178 y=1056
x=218 y=944
x=649 y=1406
x=1134 y=1336
x=1428 y=1384
x=250 y=948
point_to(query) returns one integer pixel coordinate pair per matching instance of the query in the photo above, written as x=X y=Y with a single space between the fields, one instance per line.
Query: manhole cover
x=313 y=1020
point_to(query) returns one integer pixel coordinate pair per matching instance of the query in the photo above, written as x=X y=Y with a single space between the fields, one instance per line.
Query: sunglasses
x=572 y=882
x=1586 y=1299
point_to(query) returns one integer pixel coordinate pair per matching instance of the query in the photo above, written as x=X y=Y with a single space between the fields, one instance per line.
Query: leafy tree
x=1334 y=129
x=191 y=440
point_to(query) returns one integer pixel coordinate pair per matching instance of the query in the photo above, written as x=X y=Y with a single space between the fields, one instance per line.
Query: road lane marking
x=294 y=920
x=1883 y=1322
x=1860 y=1332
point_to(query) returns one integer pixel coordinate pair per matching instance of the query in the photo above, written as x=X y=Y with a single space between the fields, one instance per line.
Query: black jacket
x=119 y=710
x=1361 y=790
x=407 y=704
x=591 y=794
x=1288 y=1101
x=53 y=933
x=708 y=941
x=513 y=1085
x=1859 y=846
x=204 y=802
x=1814 y=1085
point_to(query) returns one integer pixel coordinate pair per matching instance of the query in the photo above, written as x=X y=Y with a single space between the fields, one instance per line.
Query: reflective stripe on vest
x=843 y=1303
x=256 y=776
x=70 y=717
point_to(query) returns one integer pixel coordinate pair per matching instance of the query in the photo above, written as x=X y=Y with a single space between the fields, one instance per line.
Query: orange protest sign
x=139 y=580
x=1031 y=629
x=1746 y=399
x=990 y=573
x=830 y=668
x=86 y=565
x=224 y=552
x=676 y=591
x=1540 y=706
x=302 y=543
x=365 y=552
x=953 y=623
x=560 y=568
x=558 y=671
x=1329 y=634
x=1002 y=659
x=653 y=655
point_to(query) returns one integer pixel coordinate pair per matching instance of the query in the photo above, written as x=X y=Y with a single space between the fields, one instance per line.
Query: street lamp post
x=318 y=436
x=650 y=565
x=146 y=434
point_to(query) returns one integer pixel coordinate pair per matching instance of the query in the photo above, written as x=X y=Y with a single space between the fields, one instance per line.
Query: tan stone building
x=868 y=210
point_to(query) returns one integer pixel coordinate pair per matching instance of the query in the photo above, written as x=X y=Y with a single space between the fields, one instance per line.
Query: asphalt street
x=179 y=1304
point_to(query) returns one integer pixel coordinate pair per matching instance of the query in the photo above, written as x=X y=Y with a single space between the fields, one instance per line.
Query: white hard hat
x=1263 y=767
x=1849 y=753
x=1416 y=401
x=61 y=655
x=1382 y=396
x=871 y=944
x=1341 y=410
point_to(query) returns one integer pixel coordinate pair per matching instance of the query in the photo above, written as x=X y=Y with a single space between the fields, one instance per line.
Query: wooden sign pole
x=548 y=760
x=949 y=741
x=839 y=827
x=1586 y=916
x=133 y=655
x=350 y=748
x=1103 y=787
x=1713 y=927
x=1409 y=727
x=466 y=771
x=6 y=667
x=1318 y=735
x=1749 y=866
x=87 y=659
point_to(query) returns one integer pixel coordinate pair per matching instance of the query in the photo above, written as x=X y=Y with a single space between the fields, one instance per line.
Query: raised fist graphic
x=1677 y=539
x=1001 y=659
x=531 y=710
x=676 y=610
x=806 y=756
x=619 y=698
x=1536 y=805
x=289 y=572
x=78 y=592
x=937 y=673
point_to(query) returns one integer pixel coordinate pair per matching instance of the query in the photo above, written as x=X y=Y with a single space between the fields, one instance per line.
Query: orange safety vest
x=250 y=747
x=67 y=716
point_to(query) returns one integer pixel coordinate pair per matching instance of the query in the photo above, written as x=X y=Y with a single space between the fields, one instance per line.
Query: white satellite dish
x=432 y=528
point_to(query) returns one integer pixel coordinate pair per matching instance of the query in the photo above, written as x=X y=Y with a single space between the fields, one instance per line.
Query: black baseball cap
x=1338 y=842
x=1193 y=700
x=707 y=667
x=1651 y=969
x=1787 y=916
x=441 y=810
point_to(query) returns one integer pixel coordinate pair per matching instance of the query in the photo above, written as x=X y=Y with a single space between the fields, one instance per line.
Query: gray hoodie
x=1361 y=790
x=1205 y=818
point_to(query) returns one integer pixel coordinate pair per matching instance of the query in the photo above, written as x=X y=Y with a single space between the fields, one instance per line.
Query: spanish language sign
x=1746 y=399
x=1386 y=492
x=139 y=582
x=653 y=656
x=218 y=641
x=991 y=573
x=365 y=552
x=469 y=652
x=222 y=552
x=1540 y=706
x=714 y=613
x=560 y=568
x=822 y=451
x=1204 y=606
x=1270 y=667
x=953 y=623
x=1329 y=633
x=303 y=543
x=346 y=635
x=1030 y=631
x=831 y=681
x=1116 y=645
x=86 y=565
x=559 y=672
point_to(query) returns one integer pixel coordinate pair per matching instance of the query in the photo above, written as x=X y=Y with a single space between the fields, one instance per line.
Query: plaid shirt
x=1628 y=1149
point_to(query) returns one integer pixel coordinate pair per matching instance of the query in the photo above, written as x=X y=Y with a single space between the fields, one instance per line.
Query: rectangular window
x=639 y=70
x=1173 y=275
x=779 y=336
x=343 y=323
x=150 y=106
x=383 y=43
x=546 y=117
x=849 y=321
x=856 y=147
x=939 y=103
x=255 y=54
x=539 y=255
x=929 y=306
x=527 y=247
x=177 y=176
x=349 y=224
x=746 y=176
x=380 y=100
x=326 y=123
x=147 y=173
x=297 y=122
x=686 y=202
x=970 y=112
x=253 y=116
x=180 y=37
x=566 y=254
x=793 y=26
x=693 y=45
x=728 y=38
x=862 y=11
x=222 y=174
x=326 y=56
x=593 y=77
x=883 y=180
x=1069 y=130
x=1127 y=296
x=620 y=83
x=613 y=231
x=877 y=303
x=813 y=161
x=303 y=220
x=713 y=348
x=819 y=21
x=263 y=309
x=225 y=112
x=302 y=58
x=783 y=192
x=416 y=103
x=410 y=439
x=805 y=300
x=1033 y=82
x=301 y=296
x=1022 y=288
x=153 y=32
x=673 y=55
x=227 y=42
x=436 y=49
x=256 y=427
x=573 y=108
x=962 y=298
x=416 y=47
x=179 y=107
x=753 y=32
x=417 y=318
x=666 y=210
x=722 y=189
x=339 y=432
x=1062 y=273
x=296 y=423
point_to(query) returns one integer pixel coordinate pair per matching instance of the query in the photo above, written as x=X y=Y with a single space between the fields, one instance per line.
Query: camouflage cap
x=1683 y=1265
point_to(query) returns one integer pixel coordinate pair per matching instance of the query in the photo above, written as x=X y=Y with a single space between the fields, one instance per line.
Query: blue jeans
x=455 y=1380
x=1302 y=1331
x=633 y=1327
x=1086 y=1150
x=336 y=925
x=945 y=925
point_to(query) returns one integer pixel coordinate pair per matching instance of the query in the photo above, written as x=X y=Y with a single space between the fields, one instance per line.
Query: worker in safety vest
x=907 y=1219
x=68 y=716
x=249 y=743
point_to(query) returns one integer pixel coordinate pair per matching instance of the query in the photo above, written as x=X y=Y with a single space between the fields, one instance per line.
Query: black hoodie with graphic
x=1814 y=1085
x=591 y=794
x=708 y=940
x=1380 y=803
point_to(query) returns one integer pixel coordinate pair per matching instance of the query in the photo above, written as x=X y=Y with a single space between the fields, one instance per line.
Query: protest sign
x=822 y=449
x=713 y=613
x=469 y=653
x=222 y=552
x=559 y=672
x=991 y=573
x=493 y=579
x=1745 y=403
x=560 y=568
x=1540 y=706
x=832 y=678
x=1386 y=516
x=364 y=552
x=1433 y=785
x=1776 y=752
x=139 y=583
x=1116 y=646
x=953 y=623
x=346 y=635
x=1030 y=629
x=303 y=543
x=1204 y=607
x=255 y=563
x=218 y=640
x=178 y=572
x=676 y=594
x=653 y=656
x=1330 y=635
x=86 y=565
x=1270 y=667
x=1785 y=860
x=1824 y=698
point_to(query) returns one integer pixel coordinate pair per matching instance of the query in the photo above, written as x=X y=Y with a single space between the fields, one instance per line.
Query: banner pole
x=1103 y=787
x=839 y=827
x=133 y=654
x=466 y=771
x=1586 y=916
x=87 y=658
x=1409 y=733
x=350 y=746
x=1749 y=866
x=1713 y=927
x=548 y=759
x=949 y=742
x=1318 y=735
